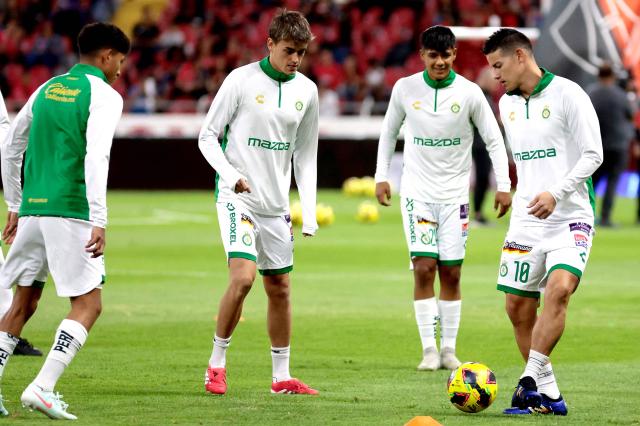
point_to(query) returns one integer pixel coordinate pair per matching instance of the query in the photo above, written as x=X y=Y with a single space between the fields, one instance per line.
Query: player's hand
x=96 y=244
x=383 y=193
x=10 y=229
x=502 y=203
x=242 y=186
x=542 y=205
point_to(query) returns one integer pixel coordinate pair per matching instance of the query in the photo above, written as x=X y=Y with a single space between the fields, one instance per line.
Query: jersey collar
x=273 y=73
x=88 y=69
x=439 y=84
x=542 y=84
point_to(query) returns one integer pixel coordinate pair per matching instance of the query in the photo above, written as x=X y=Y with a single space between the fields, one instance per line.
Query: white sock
x=547 y=382
x=449 y=322
x=535 y=364
x=280 y=358
x=426 y=318
x=70 y=337
x=7 y=345
x=219 y=353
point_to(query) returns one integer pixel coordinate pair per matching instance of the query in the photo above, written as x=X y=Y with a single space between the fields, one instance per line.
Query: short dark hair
x=438 y=38
x=100 y=35
x=506 y=39
x=290 y=25
x=606 y=71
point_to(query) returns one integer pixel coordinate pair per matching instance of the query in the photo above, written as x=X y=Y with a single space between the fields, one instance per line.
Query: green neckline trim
x=542 y=84
x=269 y=70
x=439 y=84
x=88 y=69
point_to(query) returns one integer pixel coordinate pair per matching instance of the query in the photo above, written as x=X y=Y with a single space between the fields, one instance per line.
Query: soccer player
x=23 y=347
x=440 y=109
x=56 y=222
x=266 y=113
x=554 y=135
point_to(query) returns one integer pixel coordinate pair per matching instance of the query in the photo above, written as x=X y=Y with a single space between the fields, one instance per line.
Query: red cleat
x=293 y=386
x=215 y=381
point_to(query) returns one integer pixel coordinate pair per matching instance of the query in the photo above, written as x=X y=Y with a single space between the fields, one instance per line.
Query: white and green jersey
x=4 y=120
x=266 y=119
x=439 y=119
x=555 y=140
x=66 y=128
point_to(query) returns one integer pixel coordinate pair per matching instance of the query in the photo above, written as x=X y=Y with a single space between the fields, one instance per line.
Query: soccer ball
x=296 y=213
x=472 y=387
x=324 y=215
x=367 y=212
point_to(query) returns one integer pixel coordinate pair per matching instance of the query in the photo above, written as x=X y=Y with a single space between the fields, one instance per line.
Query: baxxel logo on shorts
x=412 y=223
x=232 y=223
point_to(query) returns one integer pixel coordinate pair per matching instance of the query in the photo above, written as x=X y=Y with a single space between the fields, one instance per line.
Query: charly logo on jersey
x=455 y=108
x=443 y=142
x=416 y=105
x=299 y=105
x=546 y=112
x=260 y=99
x=60 y=93
x=534 y=154
x=263 y=143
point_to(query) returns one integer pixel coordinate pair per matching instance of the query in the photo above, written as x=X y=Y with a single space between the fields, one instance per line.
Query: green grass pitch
x=354 y=334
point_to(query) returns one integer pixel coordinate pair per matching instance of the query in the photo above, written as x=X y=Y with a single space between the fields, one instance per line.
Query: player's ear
x=454 y=53
x=270 y=44
x=520 y=54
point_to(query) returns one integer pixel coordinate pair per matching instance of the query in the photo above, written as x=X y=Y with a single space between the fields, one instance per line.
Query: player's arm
x=222 y=110
x=105 y=111
x=485 y=121
x=14 y=143
x=584 y=129
x=305 y=163
x=393 y=119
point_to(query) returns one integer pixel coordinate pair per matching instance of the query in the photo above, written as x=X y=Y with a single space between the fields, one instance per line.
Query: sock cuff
x=542 y=358
x=75 y=329
x=280 y=351
x=425 y=303
x=8 y=338
x=449 y=303
x=219 y=341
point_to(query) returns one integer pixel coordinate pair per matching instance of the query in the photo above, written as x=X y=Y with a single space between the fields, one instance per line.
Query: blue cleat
x=516 y=410
x=551 y=406
x=526 y=394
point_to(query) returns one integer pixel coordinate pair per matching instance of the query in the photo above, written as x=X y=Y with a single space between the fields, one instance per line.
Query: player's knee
x=520 y=311
x=424 y=268
x=242 y=283
x=278 y=292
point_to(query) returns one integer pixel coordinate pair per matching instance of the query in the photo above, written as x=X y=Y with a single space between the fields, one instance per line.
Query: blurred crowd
x=181 y=56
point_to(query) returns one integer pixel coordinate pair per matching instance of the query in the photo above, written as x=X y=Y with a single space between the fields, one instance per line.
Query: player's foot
x=552 y=406
x=293 y=386
x=448 y=359
x=430 y=360
x=24 y=347
x=48 y=403
x=525 y=398
x=215 y=381
x=3 y=411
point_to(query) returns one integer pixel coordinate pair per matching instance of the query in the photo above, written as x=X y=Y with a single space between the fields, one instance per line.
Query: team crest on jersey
x=246 y=239
x=504 y=270
x=512 y=116
x=299 y=105
x=455 y=108
x=546 y=112
x=260 y=99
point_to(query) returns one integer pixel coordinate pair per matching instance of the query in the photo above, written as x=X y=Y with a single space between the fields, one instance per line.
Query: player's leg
x=275 y=262
x=79 y=277
x=420 y=228
x=453 y=228
x=617 y=164
x=238 y=233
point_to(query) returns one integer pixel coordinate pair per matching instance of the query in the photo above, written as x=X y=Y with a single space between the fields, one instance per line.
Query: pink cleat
x=215 y=381
x=293 y=386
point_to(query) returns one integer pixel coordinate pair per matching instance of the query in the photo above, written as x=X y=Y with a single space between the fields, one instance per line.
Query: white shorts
x=436 y=230
x=267 y=240
x=55 y=244
x=531 y=253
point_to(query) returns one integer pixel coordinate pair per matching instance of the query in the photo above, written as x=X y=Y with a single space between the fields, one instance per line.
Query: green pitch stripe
x=573 y=270
x=241 y=255
x=450 y=262
x=424 y=254
x=280 y=271
x=524 y=293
